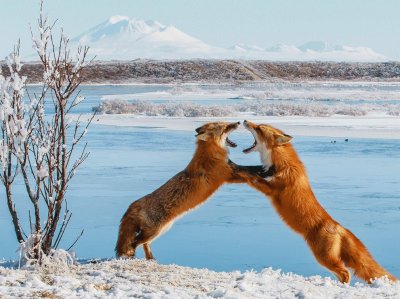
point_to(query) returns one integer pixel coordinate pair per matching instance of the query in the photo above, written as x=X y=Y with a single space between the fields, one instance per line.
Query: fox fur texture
x=209 y=168
x=334 y=246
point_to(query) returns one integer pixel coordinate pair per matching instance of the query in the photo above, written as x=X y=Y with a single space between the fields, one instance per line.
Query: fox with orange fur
x=209 y=168
x=334 y=246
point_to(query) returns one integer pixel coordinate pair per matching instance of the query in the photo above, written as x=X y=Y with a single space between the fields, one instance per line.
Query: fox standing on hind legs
x=334 y=246
x=210 y=167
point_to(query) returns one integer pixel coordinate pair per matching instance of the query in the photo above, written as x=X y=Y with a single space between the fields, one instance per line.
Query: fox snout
x=232 y=126
x=248 y=124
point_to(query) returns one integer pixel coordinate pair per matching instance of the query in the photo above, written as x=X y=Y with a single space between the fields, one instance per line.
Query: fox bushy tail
x=356 y=256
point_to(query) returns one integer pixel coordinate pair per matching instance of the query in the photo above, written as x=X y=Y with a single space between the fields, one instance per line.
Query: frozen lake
x=330 y=94
x=358 y=183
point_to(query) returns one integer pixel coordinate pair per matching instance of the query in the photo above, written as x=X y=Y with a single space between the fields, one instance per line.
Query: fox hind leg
x=147 y=251
x=326 y=247
x=336 y=266
x=144 y=237
x=356 y=256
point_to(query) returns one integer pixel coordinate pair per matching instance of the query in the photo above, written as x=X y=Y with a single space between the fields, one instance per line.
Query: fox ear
x=282 y=139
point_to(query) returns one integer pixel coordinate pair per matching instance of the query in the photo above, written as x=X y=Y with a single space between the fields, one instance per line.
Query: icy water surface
x=308 y=94
x=358 y=182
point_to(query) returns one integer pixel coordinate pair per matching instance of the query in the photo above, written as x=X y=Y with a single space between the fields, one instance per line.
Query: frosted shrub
x=58 y=260
x=351 y=110
x=394 y=110
x=284 y=109
x=263 y=108
x=38 y=147
x=167 y=109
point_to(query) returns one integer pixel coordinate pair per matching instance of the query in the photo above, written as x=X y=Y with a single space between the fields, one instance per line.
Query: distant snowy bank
x=139 y=278
x=258 y=108
x=373 y=126
x=333 y=109
x=277 y=99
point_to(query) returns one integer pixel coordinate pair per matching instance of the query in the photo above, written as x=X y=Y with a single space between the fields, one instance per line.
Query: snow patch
x=116 y=19
x=138 y=278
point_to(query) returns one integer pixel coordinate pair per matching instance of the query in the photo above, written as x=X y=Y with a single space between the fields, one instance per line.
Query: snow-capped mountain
x=323 y=51
x=122 y=38
x=319 y=46
x=244 y=48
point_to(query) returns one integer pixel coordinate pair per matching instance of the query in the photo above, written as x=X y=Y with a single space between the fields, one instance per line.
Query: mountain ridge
x=123 y=38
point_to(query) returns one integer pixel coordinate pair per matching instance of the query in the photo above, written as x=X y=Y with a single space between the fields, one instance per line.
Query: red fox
x=334 y=246
x=209 y=168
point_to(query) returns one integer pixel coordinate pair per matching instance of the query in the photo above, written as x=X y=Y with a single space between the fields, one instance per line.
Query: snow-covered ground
x=237 y=229
x=142 y=279
x=334 y=109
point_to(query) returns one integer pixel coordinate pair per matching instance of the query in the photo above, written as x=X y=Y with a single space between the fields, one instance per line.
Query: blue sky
x=370 y=23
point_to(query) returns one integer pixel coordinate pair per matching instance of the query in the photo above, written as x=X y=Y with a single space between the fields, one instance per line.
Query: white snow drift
x=143 y=279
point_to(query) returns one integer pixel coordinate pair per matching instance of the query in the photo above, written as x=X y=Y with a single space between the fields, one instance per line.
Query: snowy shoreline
x=370 y=126
x=332 y=109
x=139 y=278
x=252 y=83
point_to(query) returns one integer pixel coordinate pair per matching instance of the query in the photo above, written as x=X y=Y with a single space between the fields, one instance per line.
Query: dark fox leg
x=255 y=176
x=127 y=235
x=144 y=237
x=259 y=170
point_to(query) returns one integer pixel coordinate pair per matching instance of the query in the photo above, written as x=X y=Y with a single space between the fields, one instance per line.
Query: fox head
x=217 y=133
x=266 y=139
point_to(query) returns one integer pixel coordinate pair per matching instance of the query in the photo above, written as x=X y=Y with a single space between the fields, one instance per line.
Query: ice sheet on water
x=356 y=181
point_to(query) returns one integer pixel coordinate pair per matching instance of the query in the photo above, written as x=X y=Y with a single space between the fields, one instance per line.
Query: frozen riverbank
x=354 y=110
x=142 y=279
x=378 y=126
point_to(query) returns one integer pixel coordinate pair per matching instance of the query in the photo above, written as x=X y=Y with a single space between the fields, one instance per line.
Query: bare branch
x=35 y=143
x=77 y=239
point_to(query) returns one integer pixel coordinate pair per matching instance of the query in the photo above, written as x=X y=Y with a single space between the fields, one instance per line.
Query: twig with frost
x=37 y=145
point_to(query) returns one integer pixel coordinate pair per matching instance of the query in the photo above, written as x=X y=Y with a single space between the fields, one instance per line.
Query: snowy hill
x=321 y=51
x=122 y=38
x=142 y=279
x=319 y=46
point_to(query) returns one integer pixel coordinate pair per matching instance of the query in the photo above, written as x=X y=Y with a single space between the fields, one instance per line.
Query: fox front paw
x=267 y=173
